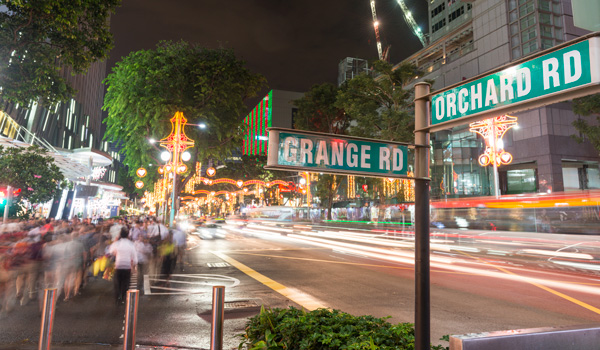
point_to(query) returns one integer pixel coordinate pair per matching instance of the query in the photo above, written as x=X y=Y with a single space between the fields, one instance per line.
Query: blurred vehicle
x=191 y=224
x=212 y=229
x=277 y=214
x=576 y=212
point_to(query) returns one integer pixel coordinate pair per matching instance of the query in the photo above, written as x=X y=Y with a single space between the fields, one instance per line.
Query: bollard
x=218 y=314
x=130 y=319
x=47 y=319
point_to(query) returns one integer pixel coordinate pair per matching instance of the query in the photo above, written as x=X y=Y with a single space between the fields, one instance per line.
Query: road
x=472 y=290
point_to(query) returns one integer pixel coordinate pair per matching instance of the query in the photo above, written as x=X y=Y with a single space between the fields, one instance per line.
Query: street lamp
x=176 y=142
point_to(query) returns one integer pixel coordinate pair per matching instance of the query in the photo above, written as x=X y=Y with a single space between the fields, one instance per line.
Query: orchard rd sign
x=330 y=153
x=566 y=69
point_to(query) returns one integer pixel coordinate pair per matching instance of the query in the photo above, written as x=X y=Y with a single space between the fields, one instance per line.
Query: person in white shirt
x=144 y=254
x=125 y=260
x=115 y=229
x=179 y=239
x=137 y=231
x=156 y=229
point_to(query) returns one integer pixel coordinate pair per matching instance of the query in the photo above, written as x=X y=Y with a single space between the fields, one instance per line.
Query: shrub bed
x=295 y=329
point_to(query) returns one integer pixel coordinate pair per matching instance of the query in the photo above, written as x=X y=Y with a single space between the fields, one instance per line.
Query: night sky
x=294 y=44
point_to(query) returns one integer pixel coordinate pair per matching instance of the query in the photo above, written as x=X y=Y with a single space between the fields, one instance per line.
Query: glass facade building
x=468 y=39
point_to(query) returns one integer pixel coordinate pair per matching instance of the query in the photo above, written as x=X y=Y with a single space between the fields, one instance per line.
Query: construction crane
x=409 y=20
x=383 y=54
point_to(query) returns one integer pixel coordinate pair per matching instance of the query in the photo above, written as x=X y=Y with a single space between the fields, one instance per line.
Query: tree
x=32 y=171
x=317 y=111
x=588 y=106
x=147 y=87
x=378 y=104
x=38 y=37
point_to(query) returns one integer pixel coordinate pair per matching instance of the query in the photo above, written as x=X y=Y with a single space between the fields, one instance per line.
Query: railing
x=131 y=313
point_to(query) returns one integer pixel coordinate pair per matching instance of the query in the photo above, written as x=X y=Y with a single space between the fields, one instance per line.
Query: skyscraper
x=469 y=38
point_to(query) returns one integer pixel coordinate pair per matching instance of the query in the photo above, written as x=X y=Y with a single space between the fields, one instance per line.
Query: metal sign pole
x=47 y=319
x=422 y=283
x=218 y=315
x=131 y=319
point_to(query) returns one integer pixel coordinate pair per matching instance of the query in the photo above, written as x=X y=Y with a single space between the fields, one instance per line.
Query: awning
x=74 y=164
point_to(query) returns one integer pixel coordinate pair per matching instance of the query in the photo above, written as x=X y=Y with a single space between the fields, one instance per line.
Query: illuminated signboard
x=256 y=123
x=329 y=153
x=567 y=69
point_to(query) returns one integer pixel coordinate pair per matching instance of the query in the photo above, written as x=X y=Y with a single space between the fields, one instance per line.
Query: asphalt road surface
x=355 y=272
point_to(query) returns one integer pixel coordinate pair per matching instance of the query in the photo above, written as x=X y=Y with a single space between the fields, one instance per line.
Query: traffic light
x=2 y=197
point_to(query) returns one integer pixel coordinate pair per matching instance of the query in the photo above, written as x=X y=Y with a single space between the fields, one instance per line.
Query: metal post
x=494 y=153
x=172 y=216
x=47 y=319
x=422 y=283
x=131 y=319
x=218 y=314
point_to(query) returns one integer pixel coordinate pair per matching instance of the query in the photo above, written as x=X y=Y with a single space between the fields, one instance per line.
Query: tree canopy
x=147 y=87
x=370 y=105
x=378 y=104
x=588 y=106
x=32 y=171
x=317 y=111
x=40 y=37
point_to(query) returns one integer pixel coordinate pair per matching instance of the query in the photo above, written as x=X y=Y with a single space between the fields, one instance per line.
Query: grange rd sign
x=330 y=153
x=569 y=68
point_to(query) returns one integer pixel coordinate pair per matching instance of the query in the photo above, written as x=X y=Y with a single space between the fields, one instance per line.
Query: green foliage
x=378 y=104
x=250 y=168
x=147 y=87
x=40 y=37
x=370 y=105
x=128 y=182
x=326 y=189
x=588 y=106
x=317 y=111
x=294 y=329
x=31 y=170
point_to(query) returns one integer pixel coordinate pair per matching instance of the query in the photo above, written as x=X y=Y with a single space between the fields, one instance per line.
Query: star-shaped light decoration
x=177 y=142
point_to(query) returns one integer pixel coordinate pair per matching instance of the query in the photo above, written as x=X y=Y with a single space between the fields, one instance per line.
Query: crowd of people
x=46 y=253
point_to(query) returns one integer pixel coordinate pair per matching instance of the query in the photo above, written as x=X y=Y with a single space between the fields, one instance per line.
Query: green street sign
x=569 y=68
x=330 y=153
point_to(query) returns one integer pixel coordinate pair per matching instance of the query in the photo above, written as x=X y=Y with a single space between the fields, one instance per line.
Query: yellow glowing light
x=492 y=130
x=141 y=172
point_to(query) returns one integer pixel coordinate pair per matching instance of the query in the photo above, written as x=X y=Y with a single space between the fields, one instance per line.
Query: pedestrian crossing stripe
x=218 y=264
x=186 y=284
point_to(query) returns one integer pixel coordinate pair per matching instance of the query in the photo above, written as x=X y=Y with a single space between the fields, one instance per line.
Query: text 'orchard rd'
x=332 y=153
x=562 y=70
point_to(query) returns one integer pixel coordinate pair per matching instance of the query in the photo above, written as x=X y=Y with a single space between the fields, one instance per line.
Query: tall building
x=350 y=67
x=72 y=131
x=276 y=109
x=469 y=38
x=71 y=125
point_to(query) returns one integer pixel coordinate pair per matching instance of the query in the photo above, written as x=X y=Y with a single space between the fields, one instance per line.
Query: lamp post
x=492 y=130
x=176 y=143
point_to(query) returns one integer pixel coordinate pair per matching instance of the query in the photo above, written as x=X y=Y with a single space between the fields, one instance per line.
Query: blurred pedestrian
x=179 y=241
x=144 y=254
x=125 y=260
